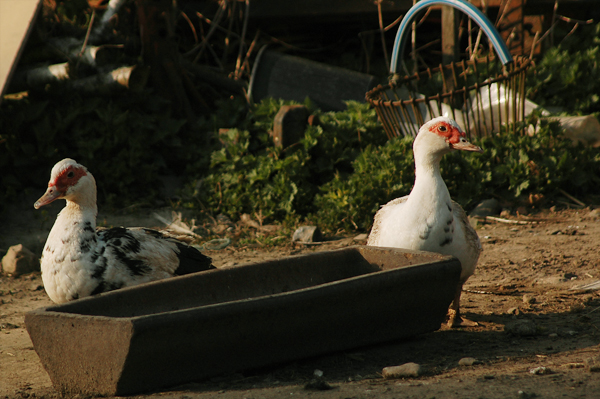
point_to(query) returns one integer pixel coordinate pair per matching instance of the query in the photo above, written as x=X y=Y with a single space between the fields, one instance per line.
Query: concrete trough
x=188 y=328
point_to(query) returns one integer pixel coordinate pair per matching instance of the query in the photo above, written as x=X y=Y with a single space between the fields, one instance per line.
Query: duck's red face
x=454 y=135
x=68 y=177
x=65 y=174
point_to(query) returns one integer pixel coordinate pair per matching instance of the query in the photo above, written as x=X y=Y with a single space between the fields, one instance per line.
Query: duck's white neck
x=429 y=185
x=427 y=163
x=81 y=202
x=79 y=211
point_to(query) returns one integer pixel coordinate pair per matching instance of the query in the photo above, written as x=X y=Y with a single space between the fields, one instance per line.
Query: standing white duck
x=427 y=219
x=78 y=260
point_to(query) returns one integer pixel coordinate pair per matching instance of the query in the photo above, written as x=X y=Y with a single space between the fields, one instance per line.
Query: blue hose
x=467 y=8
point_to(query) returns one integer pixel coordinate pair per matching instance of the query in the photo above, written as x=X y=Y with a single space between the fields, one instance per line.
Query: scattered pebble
x=593 y=363
x=574 y=365
x=19 y=260
x=570 y=231
x=468 y=361
x=570 y=276
x=526 y=395
x=488 y=207
x=522 y=328
x=403 y=371
x=540 y=371
x=553 y=335
x=8 y=326
x=530 y=299
x=318 y=384
x=36 y=287
x=318 y=373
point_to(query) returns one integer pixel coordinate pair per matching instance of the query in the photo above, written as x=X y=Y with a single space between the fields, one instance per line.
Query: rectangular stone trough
x=187 y=328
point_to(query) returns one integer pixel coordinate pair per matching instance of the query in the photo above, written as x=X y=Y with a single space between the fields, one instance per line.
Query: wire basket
x=482 y=95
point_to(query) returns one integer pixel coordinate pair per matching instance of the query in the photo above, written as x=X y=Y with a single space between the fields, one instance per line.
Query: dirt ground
x=524 y=278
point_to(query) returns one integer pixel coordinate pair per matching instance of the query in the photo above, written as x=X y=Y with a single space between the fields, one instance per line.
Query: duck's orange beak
x=50 y=195
x=464 y=145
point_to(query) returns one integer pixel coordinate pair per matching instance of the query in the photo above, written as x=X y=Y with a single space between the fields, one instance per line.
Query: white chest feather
x=427 y=220
x=65 y=264
x=77 y=262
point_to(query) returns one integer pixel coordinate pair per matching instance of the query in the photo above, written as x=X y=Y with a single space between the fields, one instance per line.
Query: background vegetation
x=338 y=175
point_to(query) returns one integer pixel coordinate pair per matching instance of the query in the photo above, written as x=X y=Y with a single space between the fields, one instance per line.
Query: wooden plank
x=16 y=21
x=450 y=43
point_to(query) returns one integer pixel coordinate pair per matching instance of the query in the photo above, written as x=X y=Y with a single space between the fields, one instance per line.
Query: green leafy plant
x=337 y=175
x=125 y=141
x=511 y=168
x=568 y=75
x=250 y=175
x=380 y=174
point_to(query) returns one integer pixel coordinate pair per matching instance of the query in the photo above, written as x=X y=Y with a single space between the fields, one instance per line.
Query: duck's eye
x=70 y=174
x=442 y=128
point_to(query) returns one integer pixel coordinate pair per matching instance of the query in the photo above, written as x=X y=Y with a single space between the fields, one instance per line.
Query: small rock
x=526 y=395
x=593 y=363
x=553 y=335
x=19 y=260
x=318 y=384
x=318 y=373
x=8 y=326
x=489 y=207
x=403 y=371
x=468 y=361
x=574 y=365
x=307 y=234
x=522 y=328
x=540 y=371
x=530 y=299
x=36 y=287
x=514 y=311
x=505 y=213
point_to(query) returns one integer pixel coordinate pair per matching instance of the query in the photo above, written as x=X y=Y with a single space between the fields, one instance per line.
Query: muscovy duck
x=427 y=219
x=80 y=260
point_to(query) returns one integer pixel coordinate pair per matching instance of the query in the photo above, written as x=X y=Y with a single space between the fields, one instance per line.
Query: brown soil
x=526 y=272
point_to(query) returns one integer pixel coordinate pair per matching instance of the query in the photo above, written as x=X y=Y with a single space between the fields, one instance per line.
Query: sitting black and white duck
x=80 y=260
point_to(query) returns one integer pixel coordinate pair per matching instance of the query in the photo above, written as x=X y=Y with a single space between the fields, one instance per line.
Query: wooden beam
x=450 y=45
